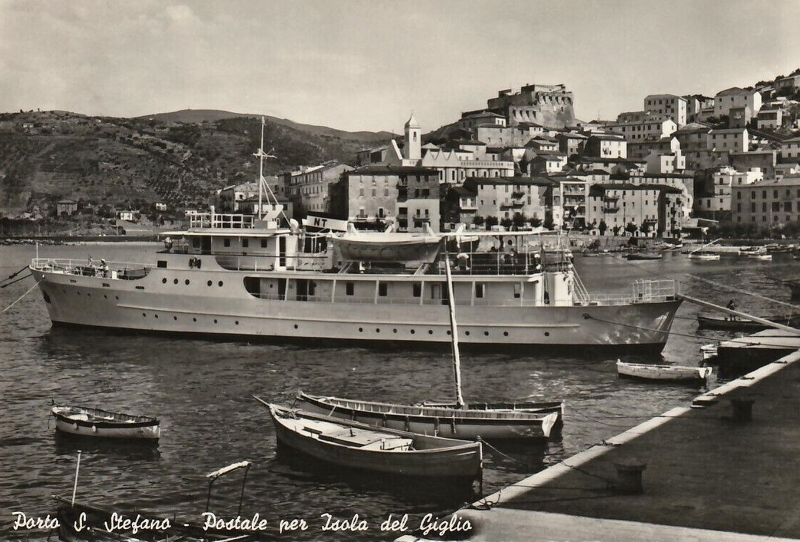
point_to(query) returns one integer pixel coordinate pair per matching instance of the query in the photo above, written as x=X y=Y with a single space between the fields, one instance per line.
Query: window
x=383 y=289
x=226 y=242
x=350 y=288
x=776 y=206
x=479 y=290
x=245 y=243
x=417 y=289
x=787 y=207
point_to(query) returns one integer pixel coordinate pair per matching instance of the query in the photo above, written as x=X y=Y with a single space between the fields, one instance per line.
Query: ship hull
x=215 y=304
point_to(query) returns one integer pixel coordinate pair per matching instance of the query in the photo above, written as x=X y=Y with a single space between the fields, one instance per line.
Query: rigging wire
x=20 y=297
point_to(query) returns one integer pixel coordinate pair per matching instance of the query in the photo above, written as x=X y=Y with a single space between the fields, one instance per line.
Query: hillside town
x=679 y=164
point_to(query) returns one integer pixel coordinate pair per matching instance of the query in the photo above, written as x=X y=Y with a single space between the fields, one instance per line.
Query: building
x=548 y=105
x=546 y=162
x=736 y=97
x=695 y=105
x=309 y=186
x=681 y=181
x=529 y=197
x=654 y=209
x=788 y=83
x=723 y=182
x=645 y=130
x=571 y=143
x=739 y=117
x=768 y=203
x=127 y=215
x=470 y=121
x=571 y=212
x=790 y=148
x=161 y=206
x=66 y=206
x=496 y=135
x=378 y=195
x=762 y=160
x=728 y=140
x=606 y=146
x=770 y=118
x=667 y=104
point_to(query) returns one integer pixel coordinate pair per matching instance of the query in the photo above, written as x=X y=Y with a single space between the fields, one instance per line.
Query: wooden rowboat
x=741 y=324
x=93 y=422
x=360 y=446
x=662 y=372
x=490 y=421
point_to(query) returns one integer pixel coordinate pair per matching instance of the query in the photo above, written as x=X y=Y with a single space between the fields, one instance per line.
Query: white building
x=736 y=97
x=724 y=181
x=667 y=104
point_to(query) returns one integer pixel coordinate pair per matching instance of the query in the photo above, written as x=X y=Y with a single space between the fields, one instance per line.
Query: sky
x=368 y=64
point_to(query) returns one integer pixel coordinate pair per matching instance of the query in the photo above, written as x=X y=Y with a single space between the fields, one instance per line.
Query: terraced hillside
x=47 y=156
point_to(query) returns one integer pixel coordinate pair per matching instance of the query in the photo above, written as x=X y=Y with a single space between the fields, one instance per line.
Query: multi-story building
x=571 y=143
x=606 y=146
x=309 y=186
x=790 y=148
x=728 y=140
x=695 y=104
x=770 y=118
x=645 y=130
x=640 y=150
x=546 y=162
x=768 y=203
x=667 y=104
x=632 y=117
x=655 y=209
x=529 y=197
x=788 y=83
x=572 y=211
x=681 y=181
x=764 y=161
x=407 y=195
x=470 y=121
x=231 y=198
x=723 y=182
x=507 y=136
x=736 y=97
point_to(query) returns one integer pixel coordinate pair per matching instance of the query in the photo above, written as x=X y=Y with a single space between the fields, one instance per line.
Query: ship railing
x=221 y=220
x=370 y=300
x=642 y=291
x=92 y=268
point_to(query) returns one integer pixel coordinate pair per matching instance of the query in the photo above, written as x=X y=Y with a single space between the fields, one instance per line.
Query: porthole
x=156 y=316
x=175 y=318
x=220 y=283
x=505 y=334
x=236 y=322
x=361 y=330
x=377 y=330
x=430 y=332
x=412 y=331
x=194 y=319
x=105 y=296
x=486 y=333
x=163 y=281
x=175 y=281
x=116 y=297
x=449 y=332
x=466 y=333
x=145 y=315
x=187 y=282
x=209 y=283
x=215 y=320
x=295 y=326
x=546 y=333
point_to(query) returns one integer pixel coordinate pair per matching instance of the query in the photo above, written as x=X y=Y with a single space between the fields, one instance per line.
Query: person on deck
x=732 y=306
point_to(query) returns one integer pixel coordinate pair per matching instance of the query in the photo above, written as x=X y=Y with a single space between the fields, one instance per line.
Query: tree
x=631 y=228
x=602 y=227
x=506 y=223
x=478 y=220
x=519 y=220
x=491 y=221
x=536 y=222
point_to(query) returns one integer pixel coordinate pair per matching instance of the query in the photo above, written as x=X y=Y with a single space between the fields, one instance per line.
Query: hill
x=178 y=158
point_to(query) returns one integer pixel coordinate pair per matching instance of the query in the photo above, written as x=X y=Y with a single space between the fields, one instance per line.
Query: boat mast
x=454 y=334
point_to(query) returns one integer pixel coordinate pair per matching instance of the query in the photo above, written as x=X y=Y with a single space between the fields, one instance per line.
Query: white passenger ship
x=237 y=275
x=246 y=275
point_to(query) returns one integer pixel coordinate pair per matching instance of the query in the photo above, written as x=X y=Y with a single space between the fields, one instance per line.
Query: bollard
x=742 y=409
x=629 y=475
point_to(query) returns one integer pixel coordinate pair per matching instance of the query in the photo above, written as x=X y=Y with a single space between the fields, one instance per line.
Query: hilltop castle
x=549 y=106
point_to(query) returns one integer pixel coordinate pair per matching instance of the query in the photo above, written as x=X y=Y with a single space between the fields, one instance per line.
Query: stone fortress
x=547 y=105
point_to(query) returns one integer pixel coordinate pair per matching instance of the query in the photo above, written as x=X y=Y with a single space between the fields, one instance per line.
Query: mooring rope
x=20 y=297
x=742 y=291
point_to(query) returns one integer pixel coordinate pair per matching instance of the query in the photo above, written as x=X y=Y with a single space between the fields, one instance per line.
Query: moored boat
x=261 y=276
x=662 y=372
x=741 y=324
x=704 y=256
x=487 y=421
x=359 y=446
x=644 y=255
x=97 y=423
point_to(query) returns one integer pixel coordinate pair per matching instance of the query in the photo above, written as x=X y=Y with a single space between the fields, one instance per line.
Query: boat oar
x=77 y=469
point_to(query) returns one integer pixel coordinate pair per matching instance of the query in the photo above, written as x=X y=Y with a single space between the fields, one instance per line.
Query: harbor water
x=202 y=392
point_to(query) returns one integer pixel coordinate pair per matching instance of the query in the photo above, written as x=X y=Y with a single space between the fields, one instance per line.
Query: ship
x=264 y=276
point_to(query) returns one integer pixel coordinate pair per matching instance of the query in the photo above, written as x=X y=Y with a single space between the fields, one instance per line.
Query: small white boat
x=762 y=257
x=93 y=422
x=704 y=256
x=359 y=446
x=662 y=372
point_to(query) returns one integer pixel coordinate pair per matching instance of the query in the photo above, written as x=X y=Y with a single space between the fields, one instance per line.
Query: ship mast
x=261 y=182
x=454 y=335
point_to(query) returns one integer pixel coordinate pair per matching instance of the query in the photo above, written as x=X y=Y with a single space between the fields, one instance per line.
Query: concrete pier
x=723 y=468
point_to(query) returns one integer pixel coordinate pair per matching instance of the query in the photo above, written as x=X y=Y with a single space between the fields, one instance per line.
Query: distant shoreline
x=71 y=239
